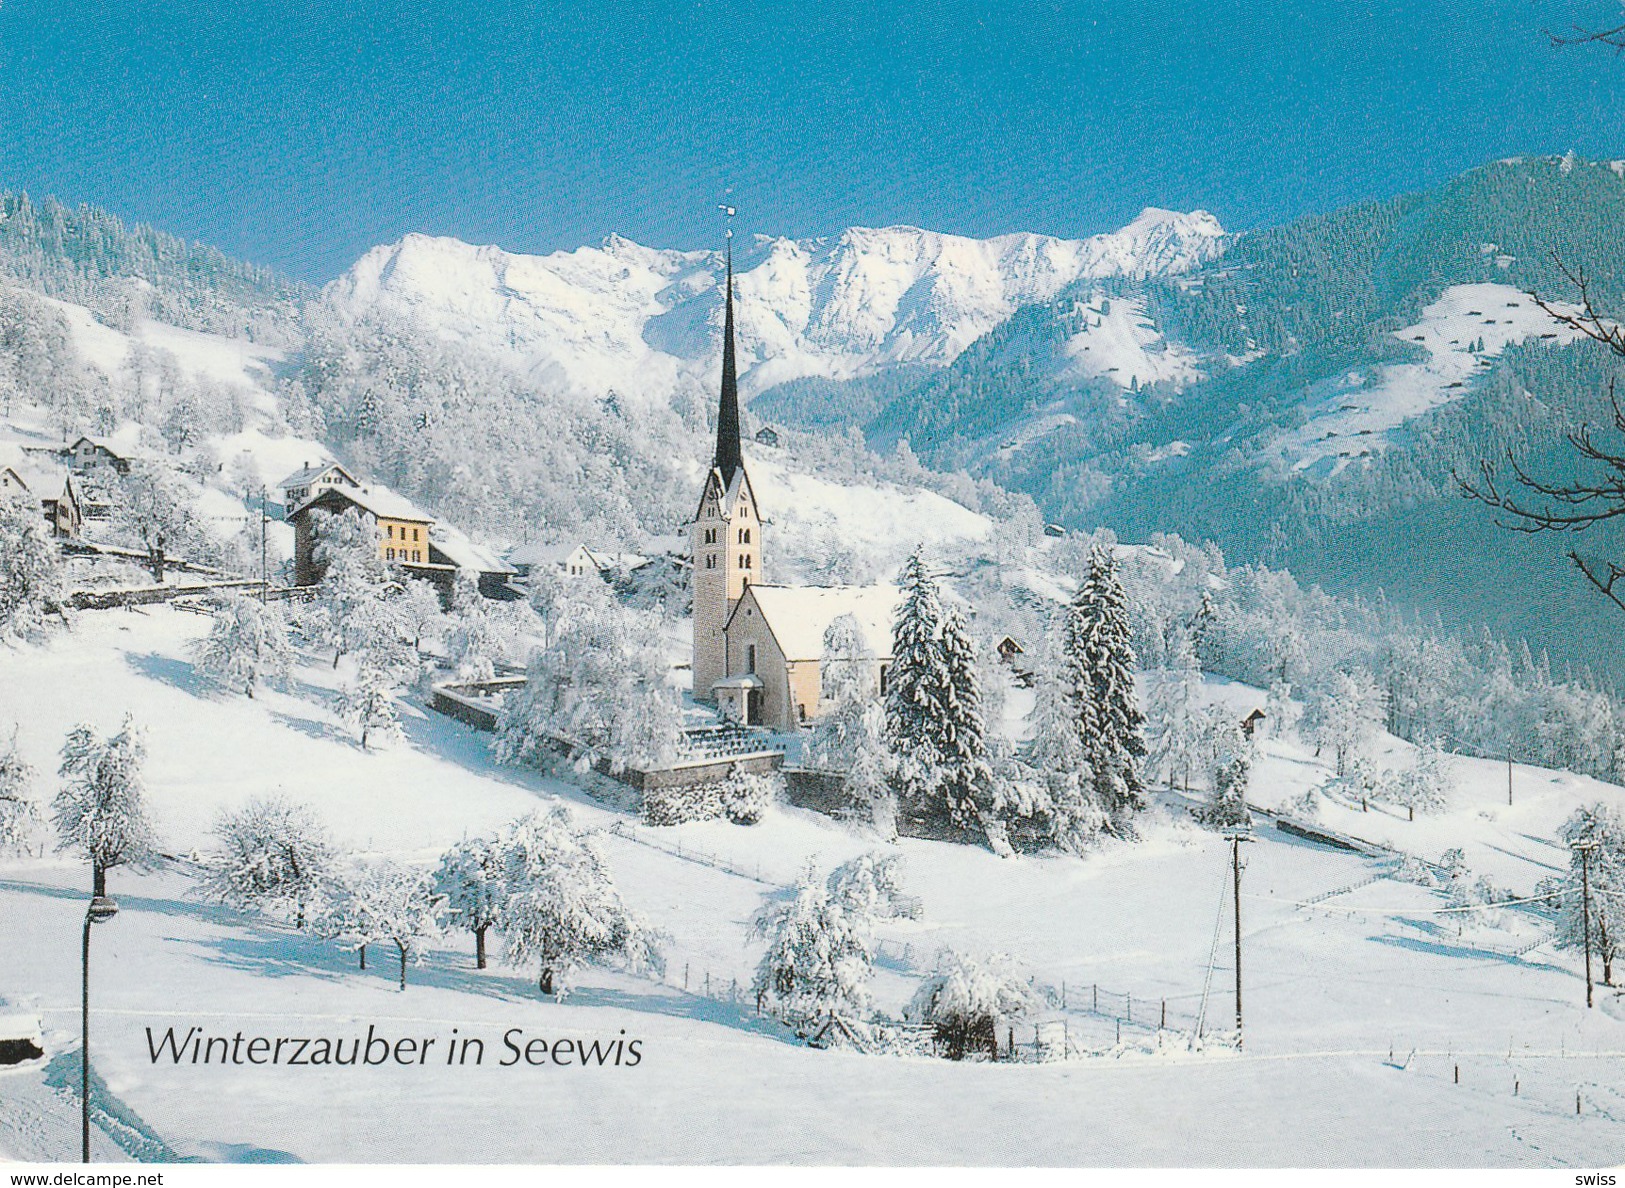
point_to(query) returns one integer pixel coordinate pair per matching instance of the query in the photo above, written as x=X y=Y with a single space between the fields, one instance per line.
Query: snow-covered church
x=758 y=647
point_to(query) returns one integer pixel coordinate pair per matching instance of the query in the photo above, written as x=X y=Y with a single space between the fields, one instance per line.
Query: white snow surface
x=1354 y=416
x=1362 y=1008
x=1121 y=344
x=646 y=322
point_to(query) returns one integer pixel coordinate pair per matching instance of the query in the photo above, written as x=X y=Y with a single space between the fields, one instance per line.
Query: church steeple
x=729 y=459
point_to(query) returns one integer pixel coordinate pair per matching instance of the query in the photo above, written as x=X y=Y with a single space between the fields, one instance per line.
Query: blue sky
x=298 y=133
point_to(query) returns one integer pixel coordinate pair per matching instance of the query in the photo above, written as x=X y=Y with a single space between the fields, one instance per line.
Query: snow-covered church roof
x=798 y=616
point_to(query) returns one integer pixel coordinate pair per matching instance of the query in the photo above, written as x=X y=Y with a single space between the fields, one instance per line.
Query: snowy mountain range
x=647 y=321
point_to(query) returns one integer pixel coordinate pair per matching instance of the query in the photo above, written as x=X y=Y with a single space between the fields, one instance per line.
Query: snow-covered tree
x=966 y=999
x=351 y=612
x=1282 y=710
x=1341 y=715
x=19 y=814
x=273 y=854
x=563 y=910
x=849 y=736
x=368 y=703
x=472 y=878
x=101 y=811
x=31 y=582
x=1600 y=826
x=473 y=640
x=1056 y=755
x=1100 y=664
x=965 y=780
x=247 y=644
x=385 y=902
x=1175 y=723
x=598 y=683
x=417 y=609
x=917 y=691
x=869 y=886
x=1425 y=785
x=157 y=510
x=745 y=796
x=1226 y=805
x=819 y=959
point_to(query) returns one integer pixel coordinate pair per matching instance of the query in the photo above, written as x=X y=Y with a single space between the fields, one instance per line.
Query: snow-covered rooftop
x=381 y=501
x=465 y=554
x=799 y=615
x=308 y=474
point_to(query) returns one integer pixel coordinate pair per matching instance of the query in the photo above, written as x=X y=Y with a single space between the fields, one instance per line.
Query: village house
x=407 y=536
x=757 y=649
x=768 y=436
x=308 y=480
x=53 y=485
x=90 y=452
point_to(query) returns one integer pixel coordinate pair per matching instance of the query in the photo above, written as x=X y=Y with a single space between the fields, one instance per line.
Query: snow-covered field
x=1331 y=988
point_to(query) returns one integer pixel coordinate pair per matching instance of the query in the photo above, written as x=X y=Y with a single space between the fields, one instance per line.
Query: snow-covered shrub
x=247 y=644
x=472 y=880
x=562 y=909
x=966 y=999
x=19 y=814
x=679 y=805
x=1425 y=785
x=819 y=959
x=101 y=811
x=273 y=853
x=871 y=886
x=31 y=582
x=746 y=795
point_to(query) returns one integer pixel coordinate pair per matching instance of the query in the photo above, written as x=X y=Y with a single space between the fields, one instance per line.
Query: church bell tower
x=726 y=545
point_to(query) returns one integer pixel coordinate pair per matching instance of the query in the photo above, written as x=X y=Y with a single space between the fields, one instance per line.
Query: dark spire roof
x=729 y=458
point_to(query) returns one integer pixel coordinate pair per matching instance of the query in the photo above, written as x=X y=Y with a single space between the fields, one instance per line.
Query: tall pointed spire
x=729 y=457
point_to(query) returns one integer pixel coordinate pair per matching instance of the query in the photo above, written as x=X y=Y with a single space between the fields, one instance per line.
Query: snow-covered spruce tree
x=1205 y=636
x=745 y=796
x=386 y=902
x=819 y=959
x=101 y=811
x=965 y=788
x=1101 y=671
x=869 y=886
x=1175 y=721
x=1226 y=806
x=473 y=880
x=247 y=644
x=918 y=691
x=368 y=703
x=597 y=685
x=1075 y=819
x=966 y=999
x=31 y=583
x=562 y=909
x=274 y=854
x=1601 y=826
x=19 y=814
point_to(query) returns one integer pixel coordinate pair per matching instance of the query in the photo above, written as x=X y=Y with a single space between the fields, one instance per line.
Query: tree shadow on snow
x=313 y=728
x=177 y=674
x=1457 y=948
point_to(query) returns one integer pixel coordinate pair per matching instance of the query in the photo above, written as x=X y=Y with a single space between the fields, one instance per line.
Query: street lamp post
x=101 y=908
x=1585 y=848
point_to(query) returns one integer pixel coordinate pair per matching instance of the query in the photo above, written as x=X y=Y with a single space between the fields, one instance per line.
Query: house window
x=885 y=671
x=744 y=560
x=711 y=561
x=389 y=531
x=750 y=658
x=390 y=554
x=801 y=712
x=414 y=534
x=417 y=554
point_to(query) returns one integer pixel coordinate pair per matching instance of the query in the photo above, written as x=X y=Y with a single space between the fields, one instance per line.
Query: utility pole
x=1509 y=781
x=1235 y=837
x=264 y=579
x=1585 y=848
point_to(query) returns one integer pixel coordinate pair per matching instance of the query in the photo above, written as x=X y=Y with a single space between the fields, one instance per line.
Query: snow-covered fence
x=146 y=595
x=623 y=830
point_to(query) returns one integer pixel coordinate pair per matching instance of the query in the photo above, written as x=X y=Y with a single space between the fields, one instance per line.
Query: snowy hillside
x=644 y=321
x=1382 y=1026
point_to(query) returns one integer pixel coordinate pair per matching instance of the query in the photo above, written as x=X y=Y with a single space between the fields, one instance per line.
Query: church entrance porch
x=739 y=699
